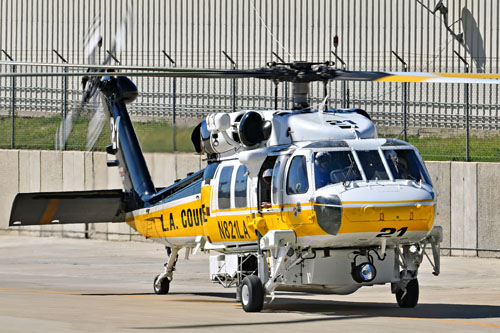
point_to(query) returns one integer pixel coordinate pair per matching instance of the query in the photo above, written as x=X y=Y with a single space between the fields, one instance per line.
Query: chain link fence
x=194 y=33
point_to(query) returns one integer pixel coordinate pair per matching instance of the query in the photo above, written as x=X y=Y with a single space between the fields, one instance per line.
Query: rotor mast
x=301 y=73
x=300 y=92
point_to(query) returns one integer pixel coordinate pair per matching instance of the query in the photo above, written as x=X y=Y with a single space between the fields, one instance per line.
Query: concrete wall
x=35 y=171
x=468 y=194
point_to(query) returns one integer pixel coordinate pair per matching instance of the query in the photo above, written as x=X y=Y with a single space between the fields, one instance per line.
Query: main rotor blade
x=275 y=73
x=105 y=67
x=217 y=74
x=419 y=77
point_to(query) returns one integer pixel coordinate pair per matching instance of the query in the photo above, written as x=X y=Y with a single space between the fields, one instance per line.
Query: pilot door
x=278 y=184
x=297 y=209
x=270 y=189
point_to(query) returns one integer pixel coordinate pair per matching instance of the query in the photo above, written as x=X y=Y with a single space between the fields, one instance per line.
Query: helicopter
x=300 y=200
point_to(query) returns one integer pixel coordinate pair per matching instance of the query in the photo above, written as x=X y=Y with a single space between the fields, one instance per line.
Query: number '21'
x=388 y=232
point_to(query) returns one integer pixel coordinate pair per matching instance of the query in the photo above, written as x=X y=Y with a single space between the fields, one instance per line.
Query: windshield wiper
x=348 y=171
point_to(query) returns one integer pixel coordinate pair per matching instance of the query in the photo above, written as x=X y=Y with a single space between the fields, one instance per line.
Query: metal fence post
x=405 y=102
x=233 y=88
x=285 y=101
x=345 y=103
x=13 y=103
x=65 y=95
x=467 y=108
x=173 y=101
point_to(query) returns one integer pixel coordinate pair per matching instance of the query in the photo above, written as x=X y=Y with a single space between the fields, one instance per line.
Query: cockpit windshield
x=372 y=164
x=404 y=164
x=332 y=167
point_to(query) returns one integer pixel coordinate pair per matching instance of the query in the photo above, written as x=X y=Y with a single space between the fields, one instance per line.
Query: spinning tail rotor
x=90 y=100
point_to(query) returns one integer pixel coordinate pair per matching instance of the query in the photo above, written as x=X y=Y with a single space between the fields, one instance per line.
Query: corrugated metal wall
x=195 y=32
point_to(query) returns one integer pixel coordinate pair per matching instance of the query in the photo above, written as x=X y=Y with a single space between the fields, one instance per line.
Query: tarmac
x=60 y=285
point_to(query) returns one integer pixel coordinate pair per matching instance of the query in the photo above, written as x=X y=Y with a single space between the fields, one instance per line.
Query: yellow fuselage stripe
x=190 y=220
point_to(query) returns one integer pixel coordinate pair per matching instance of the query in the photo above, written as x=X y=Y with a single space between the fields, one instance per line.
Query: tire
x=161 y=287
x=410 y=299
x=252 y=294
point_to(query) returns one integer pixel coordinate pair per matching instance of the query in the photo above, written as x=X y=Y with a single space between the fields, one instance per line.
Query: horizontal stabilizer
x=67 y=207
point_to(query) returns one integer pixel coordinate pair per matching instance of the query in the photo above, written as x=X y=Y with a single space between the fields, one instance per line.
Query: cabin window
x=372 y=165
x=240 y=187
x=224 y=193
x=297 y=182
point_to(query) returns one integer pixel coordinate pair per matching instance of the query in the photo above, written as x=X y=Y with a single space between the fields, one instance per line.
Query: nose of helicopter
x=374 y=208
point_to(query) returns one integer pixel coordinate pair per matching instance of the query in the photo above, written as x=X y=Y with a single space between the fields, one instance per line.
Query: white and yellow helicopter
x=293 y=200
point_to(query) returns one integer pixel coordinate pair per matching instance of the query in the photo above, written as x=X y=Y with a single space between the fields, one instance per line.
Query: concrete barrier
x=488 y=208
x=9 y=178
x=463 y=207
x=51 y=179
x=440 y=177
x=29 y=181
x=468 y=194
x=186 y=163
x=73 y=180
x=99 y=181
x=164 y=172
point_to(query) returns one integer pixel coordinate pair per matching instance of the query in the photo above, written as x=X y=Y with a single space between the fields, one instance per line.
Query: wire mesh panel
x=194 y=33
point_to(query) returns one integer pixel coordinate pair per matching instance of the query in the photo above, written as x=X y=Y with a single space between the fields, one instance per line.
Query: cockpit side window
x=224 y=192
x=297 y=182
x=404 y=164
x=372 y=165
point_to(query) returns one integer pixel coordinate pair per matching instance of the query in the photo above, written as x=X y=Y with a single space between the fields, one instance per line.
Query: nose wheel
x=408 y=298
x=161 y=286
x=252 y=294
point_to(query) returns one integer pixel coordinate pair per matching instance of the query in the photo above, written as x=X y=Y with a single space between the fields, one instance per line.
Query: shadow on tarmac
x=371 y=309
x=339 y=310
x=252 y=323
x=424 y=311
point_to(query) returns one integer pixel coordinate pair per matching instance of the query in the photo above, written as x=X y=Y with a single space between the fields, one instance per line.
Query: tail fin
x=125 y=146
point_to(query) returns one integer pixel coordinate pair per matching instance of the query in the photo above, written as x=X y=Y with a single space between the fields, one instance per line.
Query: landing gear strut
x=161 y=284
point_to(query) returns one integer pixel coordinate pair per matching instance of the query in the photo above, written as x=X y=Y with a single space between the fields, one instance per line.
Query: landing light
x=364 y=272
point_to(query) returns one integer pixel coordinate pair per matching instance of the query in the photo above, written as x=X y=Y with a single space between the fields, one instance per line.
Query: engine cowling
x=253 y=129
x=224 y=132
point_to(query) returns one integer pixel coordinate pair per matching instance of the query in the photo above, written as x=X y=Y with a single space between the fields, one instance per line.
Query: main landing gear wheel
x=410 y=298
x=162 y=286
x=252 y=294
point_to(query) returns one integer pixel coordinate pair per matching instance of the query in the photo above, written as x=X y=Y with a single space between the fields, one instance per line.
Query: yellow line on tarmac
x=157 y=298
x=40 y=291
x=178 y=299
